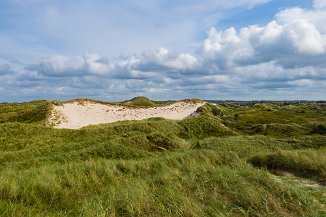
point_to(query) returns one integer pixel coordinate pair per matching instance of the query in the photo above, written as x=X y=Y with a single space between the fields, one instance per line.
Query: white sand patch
x=75 y=115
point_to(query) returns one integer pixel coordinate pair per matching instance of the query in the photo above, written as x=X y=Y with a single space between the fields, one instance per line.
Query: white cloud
x=302 y=82
x=319 y=4
x=163 y=59
x=305 y=29
x=290 y=40
x=225 y=47
x=95 y=64
x=304 y=37
x=129 y=62
x=182 y=61
x=61 y=66
x=315 y=16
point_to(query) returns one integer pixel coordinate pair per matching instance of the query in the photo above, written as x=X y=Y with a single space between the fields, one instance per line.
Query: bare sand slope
x=75 y=115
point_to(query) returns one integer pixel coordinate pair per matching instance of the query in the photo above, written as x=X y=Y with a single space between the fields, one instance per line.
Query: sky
x=114 y=50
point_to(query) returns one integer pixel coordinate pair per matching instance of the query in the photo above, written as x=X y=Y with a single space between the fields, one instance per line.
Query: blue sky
x=209 y=49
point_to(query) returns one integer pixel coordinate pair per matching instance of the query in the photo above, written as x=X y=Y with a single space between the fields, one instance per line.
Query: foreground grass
x=204 y=166
x=192 y=183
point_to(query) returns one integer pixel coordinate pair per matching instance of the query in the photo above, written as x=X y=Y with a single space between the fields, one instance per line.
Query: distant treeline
x=264 y=101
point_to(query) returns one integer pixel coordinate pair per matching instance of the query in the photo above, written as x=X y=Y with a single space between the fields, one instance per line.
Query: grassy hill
x=226 y=162
x=140 y=101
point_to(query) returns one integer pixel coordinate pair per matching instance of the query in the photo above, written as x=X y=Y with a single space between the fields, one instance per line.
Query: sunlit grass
x=204 y=166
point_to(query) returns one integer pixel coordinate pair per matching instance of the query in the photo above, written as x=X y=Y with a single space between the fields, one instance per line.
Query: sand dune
x=74 y=115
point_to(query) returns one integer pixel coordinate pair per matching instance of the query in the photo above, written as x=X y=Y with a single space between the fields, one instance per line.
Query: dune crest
x=74 y=115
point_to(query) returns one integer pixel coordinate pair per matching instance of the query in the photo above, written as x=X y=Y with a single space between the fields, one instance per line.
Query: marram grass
x=218 y=164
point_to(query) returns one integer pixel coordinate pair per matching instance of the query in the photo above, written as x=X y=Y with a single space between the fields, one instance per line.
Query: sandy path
x=75 y=115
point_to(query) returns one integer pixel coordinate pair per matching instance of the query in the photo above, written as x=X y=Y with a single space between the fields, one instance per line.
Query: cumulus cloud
x=145 y=65
x=278 y=41
x=62 y=66
x=288 y=53
x=163 y=59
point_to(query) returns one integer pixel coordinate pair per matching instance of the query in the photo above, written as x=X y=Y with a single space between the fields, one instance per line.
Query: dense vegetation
x=31 y=112
x=222 y=163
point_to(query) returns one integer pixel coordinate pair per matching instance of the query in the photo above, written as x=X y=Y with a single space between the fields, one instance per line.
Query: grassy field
x=225 y=162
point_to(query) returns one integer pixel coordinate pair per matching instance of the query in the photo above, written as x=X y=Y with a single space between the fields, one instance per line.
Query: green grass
x=30 y=112
x=140 y=101
x=309 y=163
x=217 y=164
x=276 y=119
